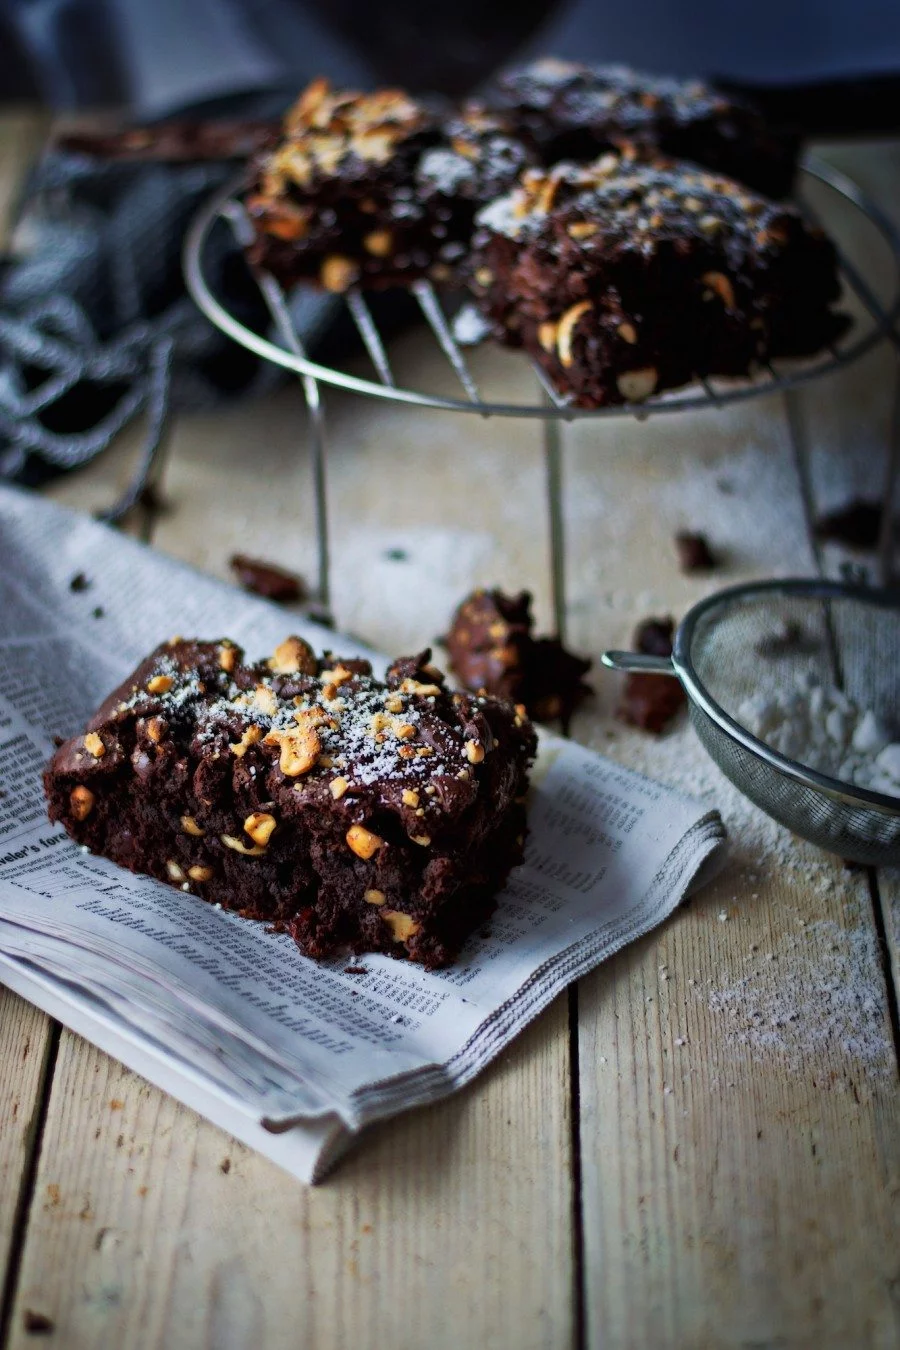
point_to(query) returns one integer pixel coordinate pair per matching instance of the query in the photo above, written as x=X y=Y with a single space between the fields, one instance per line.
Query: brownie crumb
x=225 y=1166
x=97 y=612
x=651 y=701
x=37 y=1323
x=858 y=524
x=355 y=970
x=79 y=582
x=268 y=580
x=492 y=648
x=694 y=553
x=654 y=637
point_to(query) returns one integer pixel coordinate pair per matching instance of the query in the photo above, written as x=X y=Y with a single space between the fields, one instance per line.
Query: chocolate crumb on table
x=80 y=582
x=491 y=647
x=858 y=524
x=268 y=580
x=651 y=701
x=694 y=553
x=37 y=1323
x=577 y=111
x=351 y=813
x=622 y=279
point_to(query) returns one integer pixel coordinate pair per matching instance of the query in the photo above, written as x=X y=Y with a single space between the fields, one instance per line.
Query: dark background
x=829 y=65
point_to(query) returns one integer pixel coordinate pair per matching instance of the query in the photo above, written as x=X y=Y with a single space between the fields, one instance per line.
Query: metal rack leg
x=800 y=450
x=801 y=454
x=318 y=452
x=796 y=422
x=281 y=316
x=553 y=470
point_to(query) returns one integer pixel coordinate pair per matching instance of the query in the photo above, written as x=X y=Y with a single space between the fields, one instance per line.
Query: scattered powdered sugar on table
x=816 y=982
x=820 y=727
x=820 y=988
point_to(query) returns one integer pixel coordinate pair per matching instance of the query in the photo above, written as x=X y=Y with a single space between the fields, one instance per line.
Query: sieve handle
x=656 y=665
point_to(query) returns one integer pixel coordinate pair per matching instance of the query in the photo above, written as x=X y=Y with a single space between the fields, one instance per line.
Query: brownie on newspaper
x=353 y=813
x=622 y=278
x=376 y=189
x=577 y=112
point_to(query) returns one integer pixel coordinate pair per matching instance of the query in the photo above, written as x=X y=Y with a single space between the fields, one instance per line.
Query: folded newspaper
x=292 y=1056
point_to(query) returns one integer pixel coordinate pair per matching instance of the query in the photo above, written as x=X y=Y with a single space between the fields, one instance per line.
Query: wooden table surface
x=698 y=1147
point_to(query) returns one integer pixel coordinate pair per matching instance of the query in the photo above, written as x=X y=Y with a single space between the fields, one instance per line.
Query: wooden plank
x=849 y=428
x=737 y=1074
x=24 y=1032
x=449 y=1226
x=24 y=1042
x=27 y=1044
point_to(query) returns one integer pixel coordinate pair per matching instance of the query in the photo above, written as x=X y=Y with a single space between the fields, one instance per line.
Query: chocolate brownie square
x=623 y=278
x=350 y=812
x=577 y=112
x=377 y=189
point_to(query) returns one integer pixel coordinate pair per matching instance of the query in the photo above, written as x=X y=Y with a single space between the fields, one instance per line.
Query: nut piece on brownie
x=491 y=647
x=348 y=811
x=622 y=278
x=575 y=111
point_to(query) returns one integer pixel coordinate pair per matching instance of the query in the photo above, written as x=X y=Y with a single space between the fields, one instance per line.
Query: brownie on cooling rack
x=622 y=278
x=350 y=812
x=334 y=201
x=492 y=648
x=477 y=159
x=577 y=112
x=376 y=189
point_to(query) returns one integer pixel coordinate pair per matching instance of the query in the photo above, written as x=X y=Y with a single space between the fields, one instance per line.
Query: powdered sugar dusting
x=819 y=987
x=446 y=171
x=821 y=727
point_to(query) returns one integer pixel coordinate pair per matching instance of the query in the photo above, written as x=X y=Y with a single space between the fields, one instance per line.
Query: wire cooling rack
x=878 y=322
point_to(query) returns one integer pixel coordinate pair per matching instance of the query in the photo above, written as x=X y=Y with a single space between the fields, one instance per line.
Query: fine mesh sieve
x=757 y=640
